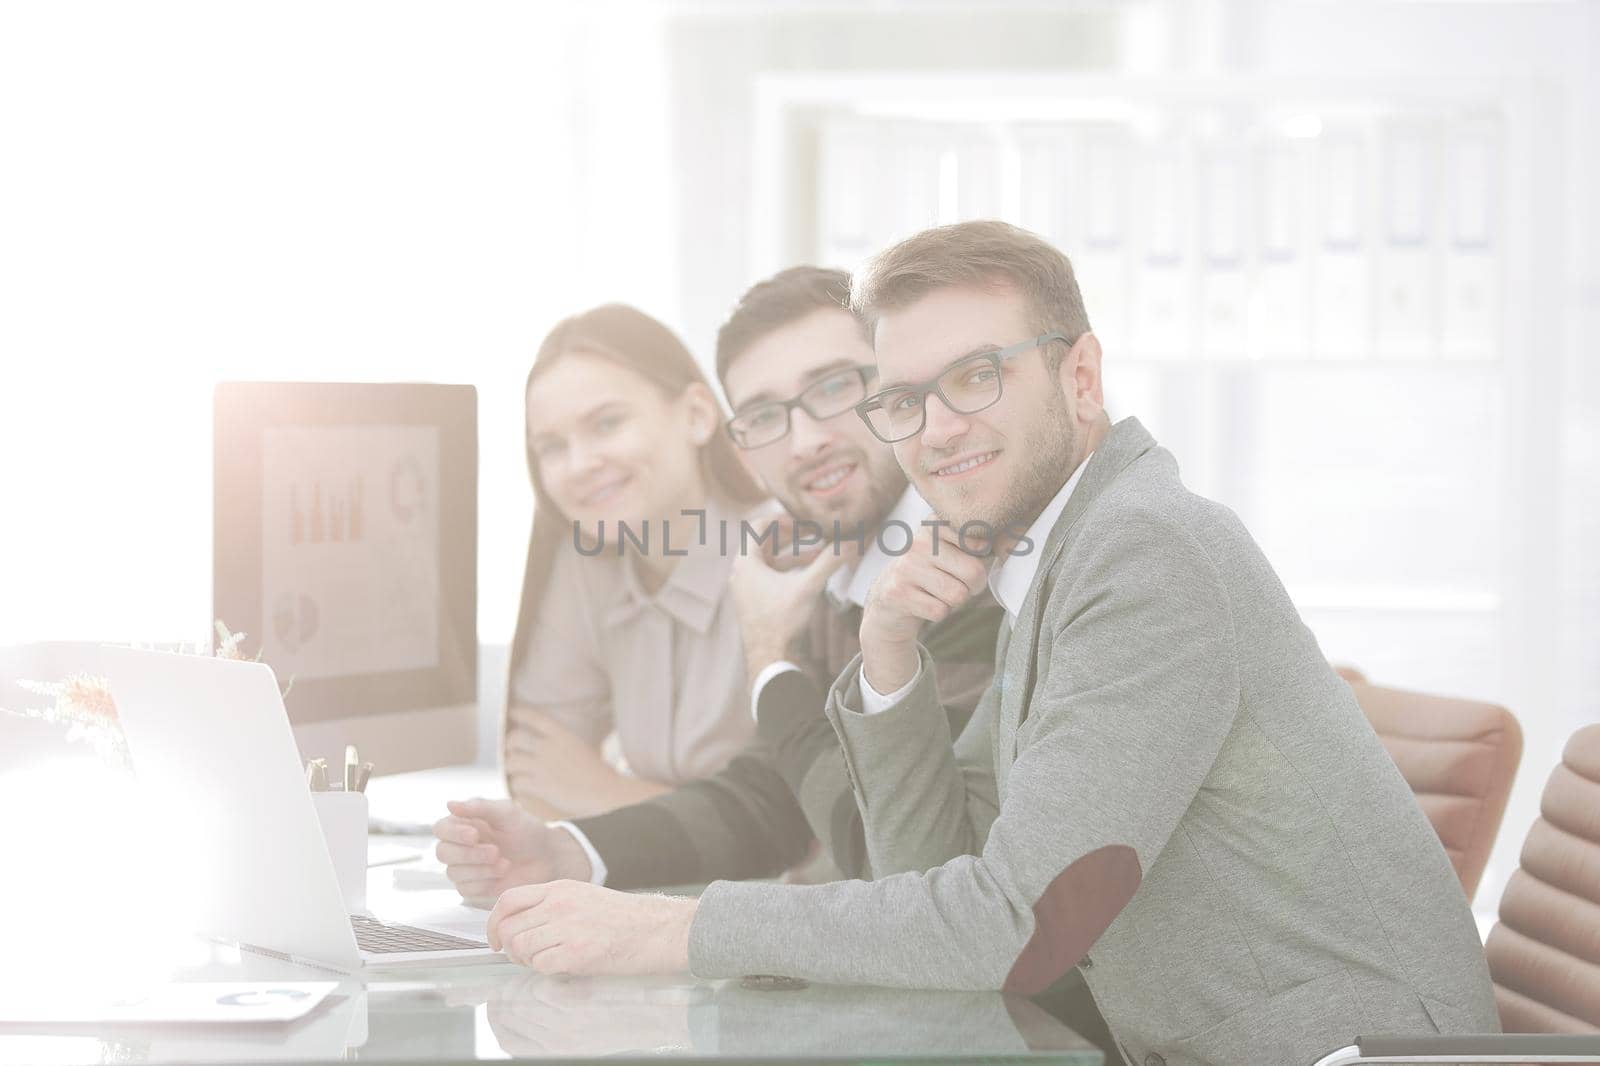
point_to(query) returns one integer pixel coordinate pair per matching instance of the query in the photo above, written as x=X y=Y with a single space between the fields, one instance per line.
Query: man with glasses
x=1166 y=787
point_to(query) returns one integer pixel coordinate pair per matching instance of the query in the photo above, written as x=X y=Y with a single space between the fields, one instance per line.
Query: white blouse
x=667 y=671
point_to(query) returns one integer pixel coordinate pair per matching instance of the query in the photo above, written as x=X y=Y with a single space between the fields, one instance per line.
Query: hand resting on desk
x=488 y=846
x=573 y=927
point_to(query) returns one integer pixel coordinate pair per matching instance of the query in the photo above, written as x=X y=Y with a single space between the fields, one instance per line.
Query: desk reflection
x=481 y=1013
x=534 y=1016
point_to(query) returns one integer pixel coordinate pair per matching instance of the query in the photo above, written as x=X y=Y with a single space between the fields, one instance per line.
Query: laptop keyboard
x=380 y=938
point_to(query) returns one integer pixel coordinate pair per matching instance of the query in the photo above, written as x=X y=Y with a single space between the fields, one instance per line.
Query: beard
x=1045 y=451
x=884 y=482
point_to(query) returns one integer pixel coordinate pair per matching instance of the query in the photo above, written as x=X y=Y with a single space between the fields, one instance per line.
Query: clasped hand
x=489 y=846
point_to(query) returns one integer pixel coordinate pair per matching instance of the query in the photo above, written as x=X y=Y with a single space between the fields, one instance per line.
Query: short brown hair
x=973 y=254
x=787 y=296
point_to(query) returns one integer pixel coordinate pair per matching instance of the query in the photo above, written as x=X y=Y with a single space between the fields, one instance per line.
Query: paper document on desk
x=207 y=1003
x=423 y=879
x=410 y=803
x=392 y=854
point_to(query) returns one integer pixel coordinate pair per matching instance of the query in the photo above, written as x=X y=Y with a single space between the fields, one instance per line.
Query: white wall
x=365 y=191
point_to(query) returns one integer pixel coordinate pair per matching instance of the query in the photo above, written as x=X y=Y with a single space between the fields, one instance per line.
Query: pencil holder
x=344 y=829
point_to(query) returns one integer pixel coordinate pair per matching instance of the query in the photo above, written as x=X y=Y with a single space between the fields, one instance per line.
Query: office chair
x=1459 y=757
x=1544 y=955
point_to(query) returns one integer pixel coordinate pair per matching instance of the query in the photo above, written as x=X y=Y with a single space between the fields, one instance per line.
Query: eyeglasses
x=966 y=387
x=828 y=397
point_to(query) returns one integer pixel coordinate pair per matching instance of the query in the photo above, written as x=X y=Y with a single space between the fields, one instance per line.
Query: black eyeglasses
x=827 y=397
x=966 y=387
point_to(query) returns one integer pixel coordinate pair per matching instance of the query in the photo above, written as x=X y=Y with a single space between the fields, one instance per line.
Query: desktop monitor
x=345 y=550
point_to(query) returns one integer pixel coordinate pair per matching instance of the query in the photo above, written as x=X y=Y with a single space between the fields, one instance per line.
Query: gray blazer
x=1166 y=787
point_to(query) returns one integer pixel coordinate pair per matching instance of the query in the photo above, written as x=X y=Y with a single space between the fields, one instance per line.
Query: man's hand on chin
x=571 y=927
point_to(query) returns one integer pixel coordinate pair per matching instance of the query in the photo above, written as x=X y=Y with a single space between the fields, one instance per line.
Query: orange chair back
x=1544 y=954
x=1458 y=756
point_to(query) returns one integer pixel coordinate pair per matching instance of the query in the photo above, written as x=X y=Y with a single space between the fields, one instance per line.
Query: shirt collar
x=1012 y=576
x=850 y=584
x=696 y=585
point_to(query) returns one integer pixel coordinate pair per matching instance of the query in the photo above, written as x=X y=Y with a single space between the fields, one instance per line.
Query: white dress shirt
x=1009 y=581
x=597 y=865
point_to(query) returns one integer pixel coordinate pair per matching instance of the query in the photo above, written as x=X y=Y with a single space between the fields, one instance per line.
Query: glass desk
x=498 y=1011
x=502 y=1012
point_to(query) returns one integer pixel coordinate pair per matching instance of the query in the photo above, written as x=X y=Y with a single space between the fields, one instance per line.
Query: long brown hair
x=632 y=339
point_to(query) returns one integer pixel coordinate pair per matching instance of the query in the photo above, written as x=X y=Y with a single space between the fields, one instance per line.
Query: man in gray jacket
x=1165 y=786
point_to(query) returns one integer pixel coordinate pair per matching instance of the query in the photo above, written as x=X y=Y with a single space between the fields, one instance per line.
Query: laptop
x=212 y=748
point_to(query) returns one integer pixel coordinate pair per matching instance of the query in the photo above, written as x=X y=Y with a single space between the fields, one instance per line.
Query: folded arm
x=560 y=707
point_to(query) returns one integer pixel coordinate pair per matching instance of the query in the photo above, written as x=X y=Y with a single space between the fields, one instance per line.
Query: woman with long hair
x=625 y=622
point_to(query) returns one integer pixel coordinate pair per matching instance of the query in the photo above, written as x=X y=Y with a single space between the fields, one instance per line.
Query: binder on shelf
x=846 y=159
x=977 y=166
x=1407 y=290
x=1224 y=274
x=1102 y=202
x=1280 y=328
x=1098 y=212
x=1162 y=305
x=1045 y=187
x=908 y=185
x=1470 y=316
x=1342 y=262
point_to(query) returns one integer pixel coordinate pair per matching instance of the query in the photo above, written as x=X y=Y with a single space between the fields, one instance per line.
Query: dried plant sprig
x=228 y=643
x=228 y=648
x=84 y=705
x=83 y=702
